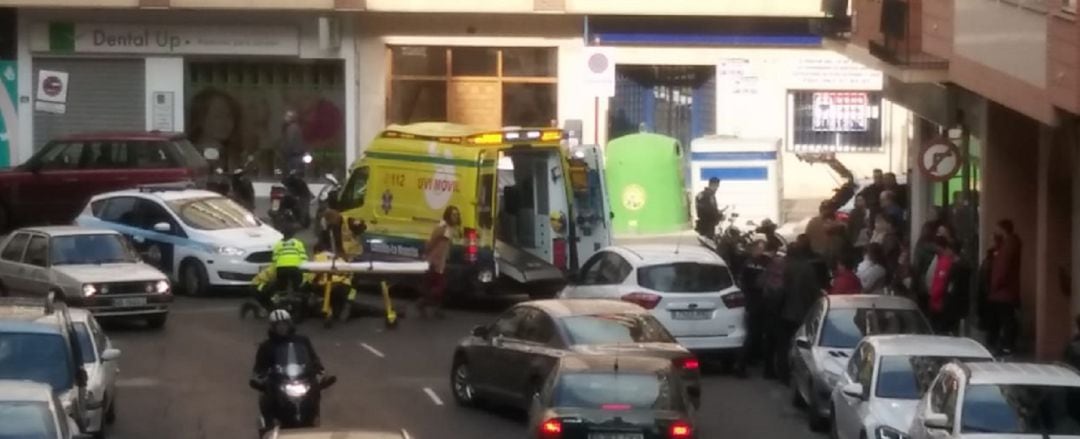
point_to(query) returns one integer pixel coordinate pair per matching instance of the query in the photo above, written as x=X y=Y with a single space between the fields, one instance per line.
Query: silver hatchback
x=94 y=269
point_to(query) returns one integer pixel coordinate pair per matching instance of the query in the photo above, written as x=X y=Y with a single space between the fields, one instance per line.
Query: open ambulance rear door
x=591 y=227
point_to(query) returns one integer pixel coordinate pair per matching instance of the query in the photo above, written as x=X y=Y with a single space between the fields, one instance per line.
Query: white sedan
x=877 y=394
x=687 y=287
x=101 y=363
x=200 y=239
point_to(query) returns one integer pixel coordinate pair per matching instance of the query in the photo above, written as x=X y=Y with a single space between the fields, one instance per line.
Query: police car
x=199 y=238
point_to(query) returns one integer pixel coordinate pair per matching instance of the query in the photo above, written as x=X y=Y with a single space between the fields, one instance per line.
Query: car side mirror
x=481 y=331
x=802 y=343
x=162 y=227
x=327 y=381
x=937 y=421
x=853 y=390
x=81 y=378
x=110 y=354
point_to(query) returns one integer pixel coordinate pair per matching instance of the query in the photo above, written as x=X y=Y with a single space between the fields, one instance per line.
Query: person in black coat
x=803 y=285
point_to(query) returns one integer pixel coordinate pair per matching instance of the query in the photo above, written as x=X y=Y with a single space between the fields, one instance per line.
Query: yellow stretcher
x=339 y=267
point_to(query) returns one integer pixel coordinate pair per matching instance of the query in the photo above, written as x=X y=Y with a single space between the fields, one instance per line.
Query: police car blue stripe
x=148 y=234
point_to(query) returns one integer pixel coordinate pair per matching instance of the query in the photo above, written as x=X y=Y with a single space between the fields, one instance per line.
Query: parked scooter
x=290 y=202
x=294 y=389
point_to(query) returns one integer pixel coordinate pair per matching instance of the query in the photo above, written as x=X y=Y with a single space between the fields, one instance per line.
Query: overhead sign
x=600 y=71
x=52 y=91
x=940 y=159
x=169 y=39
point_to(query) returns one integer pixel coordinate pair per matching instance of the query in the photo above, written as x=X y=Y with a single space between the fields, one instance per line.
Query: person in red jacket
x=1003 y=297
x=844 y=279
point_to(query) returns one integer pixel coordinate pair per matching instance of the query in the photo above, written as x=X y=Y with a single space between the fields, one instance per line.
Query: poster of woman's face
x=242 y=120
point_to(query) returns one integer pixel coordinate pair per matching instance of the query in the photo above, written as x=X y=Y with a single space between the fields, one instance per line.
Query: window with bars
x=834 y=121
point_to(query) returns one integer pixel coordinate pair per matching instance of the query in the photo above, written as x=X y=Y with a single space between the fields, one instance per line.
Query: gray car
x=828 y=336
x=95 y=269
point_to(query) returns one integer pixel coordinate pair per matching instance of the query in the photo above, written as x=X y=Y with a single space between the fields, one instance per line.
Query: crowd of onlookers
x=868 y=252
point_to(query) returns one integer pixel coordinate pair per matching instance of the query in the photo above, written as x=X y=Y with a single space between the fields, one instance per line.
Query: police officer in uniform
x=288 y=254
x=708 y=214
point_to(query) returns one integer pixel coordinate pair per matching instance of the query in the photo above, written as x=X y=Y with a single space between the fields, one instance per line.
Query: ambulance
x=533 y=208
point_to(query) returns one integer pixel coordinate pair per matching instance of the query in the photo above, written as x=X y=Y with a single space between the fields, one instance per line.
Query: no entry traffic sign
x=940 y=159
x=52 y=86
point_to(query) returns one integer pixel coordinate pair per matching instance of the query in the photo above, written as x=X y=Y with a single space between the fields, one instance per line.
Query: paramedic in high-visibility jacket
x=288 y=254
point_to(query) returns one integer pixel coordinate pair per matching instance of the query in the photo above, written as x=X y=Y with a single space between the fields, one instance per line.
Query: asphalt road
x=189 y=381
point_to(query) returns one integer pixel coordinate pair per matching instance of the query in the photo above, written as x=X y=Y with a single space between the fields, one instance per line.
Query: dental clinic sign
x=169 y=39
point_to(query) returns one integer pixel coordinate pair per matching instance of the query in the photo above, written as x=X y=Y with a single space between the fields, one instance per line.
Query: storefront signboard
x=833 y=72
x=65 y=37
x=9 y=121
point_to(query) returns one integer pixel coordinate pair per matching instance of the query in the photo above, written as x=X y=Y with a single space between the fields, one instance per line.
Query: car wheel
x=157 y=321
x=193 y=279
x=817 y=422
x=461 y=384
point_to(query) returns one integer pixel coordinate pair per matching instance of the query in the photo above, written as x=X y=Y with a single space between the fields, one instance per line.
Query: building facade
x=1000 y=80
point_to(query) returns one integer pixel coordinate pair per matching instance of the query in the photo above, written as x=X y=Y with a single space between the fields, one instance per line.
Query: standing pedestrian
x=773 y=282
x=708 y=212
x=948 y=289
x=871 y=271
x=292 y=143
x=844 y=280
x=1003 y=300
x=859 y=223
x=802 y=288
x=752 y=283
x=899 y=190
x=436 y=252
x=872 y=192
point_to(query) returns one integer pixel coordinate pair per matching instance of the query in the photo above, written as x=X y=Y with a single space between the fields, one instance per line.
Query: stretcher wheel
x=390 y=323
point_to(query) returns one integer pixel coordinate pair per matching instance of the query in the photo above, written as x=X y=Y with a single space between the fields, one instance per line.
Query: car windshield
x=26 y=420
x=36 y=357
x=90 y=249
x=627 y=390
x=685 y=277
x=908 y=377
x=615 y=328
x=1021 y=409
x=216 y=213
x=844 y=327
x=86 y=345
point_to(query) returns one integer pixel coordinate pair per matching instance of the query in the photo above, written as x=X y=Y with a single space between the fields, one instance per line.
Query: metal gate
x=103 y=95
x=676 y=101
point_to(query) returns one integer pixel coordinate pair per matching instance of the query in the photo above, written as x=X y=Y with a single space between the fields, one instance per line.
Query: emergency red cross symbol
x=387 y=201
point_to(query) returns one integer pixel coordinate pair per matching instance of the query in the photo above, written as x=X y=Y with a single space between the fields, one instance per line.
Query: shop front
x=226 y=85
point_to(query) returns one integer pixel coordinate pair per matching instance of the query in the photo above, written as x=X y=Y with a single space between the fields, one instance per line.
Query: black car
x=507 y=361
x=612 y=397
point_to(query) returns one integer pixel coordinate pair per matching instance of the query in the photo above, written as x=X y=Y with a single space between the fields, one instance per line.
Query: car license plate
x=691 y=315
x=275 y=204
x=616 y=436
x=130 y=301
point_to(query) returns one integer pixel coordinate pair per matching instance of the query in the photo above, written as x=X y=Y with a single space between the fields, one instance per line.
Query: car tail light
x=472 y=245
x=734 y=300
x=680 y=430
x=558 y=247
x=551 y=429
x=688 y=363
x=615 y=407
x=645 y=300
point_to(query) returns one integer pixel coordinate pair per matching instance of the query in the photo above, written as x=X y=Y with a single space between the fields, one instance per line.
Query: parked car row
x=868 y=367
x=58 y=371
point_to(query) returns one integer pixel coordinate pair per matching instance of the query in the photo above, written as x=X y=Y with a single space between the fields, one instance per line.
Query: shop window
x=511 y=86
x=475 y=61
x=529 y=62
x=835 y=121
x=528 y=105
x=419 y=61
x=417 y=101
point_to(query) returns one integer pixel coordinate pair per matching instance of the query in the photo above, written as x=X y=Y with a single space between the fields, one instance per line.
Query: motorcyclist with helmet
x=282 y=332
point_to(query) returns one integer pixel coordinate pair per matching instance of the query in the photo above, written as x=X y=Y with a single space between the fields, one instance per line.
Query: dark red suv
x=58 y=180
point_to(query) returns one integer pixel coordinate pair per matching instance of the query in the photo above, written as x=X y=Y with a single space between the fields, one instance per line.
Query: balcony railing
x=901 y=39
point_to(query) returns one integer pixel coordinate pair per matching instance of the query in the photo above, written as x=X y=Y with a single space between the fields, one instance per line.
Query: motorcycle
x=327 y=199
x=290 y=202
x=293 y=390
x=242 y=190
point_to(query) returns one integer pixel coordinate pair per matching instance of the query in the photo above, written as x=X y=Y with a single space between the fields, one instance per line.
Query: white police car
x=199 y=238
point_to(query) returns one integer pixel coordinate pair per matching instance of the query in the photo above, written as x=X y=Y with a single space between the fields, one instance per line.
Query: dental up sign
x=171 y=39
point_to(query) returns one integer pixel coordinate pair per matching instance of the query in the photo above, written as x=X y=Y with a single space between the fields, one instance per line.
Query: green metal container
x=646 y=180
